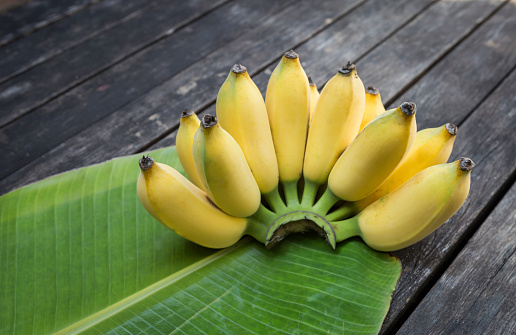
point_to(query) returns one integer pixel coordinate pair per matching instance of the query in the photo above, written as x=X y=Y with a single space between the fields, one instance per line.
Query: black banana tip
x=348 y=68
x=408 y=108
x=187 y=113
x=372 y=90
x=145 y=162
x=291 y=54
x=466 y=164
x=208 y=121
x=310 y=81
x=238 y=69
x=452 y=129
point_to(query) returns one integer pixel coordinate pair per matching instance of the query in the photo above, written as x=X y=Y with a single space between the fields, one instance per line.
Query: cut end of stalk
x=348 y=68
x=145 y=163
x=300 y=226
x=239 y=69
x=310 y=81
x=187 y=113
x=466 y=164
x=372 y=90
x=208 y=121
x=291 y=54
x=408 y=108
x=452 y=129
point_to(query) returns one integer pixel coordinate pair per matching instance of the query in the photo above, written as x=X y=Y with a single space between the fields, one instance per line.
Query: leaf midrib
x=107 y=312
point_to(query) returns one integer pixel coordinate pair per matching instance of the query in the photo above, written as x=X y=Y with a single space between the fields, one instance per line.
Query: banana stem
x=274 y=200
x=326 y=202
x=258 y=224
x=346 y=228
x=344 y=212
x=309 y=193
x=290 y=188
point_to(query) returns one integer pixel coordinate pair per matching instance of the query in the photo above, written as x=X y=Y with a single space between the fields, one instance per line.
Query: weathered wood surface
x=22 y=54
x=455 y=59
x=34 y=15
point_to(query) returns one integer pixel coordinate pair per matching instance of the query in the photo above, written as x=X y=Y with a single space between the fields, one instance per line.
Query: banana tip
x=452 y=129
x=348 y=68
x=466 y=164
x=238 y=69
x=291 y=54
x=208 y=121
x=186 y=113
x=372 y=90
x=408 y=108
x=310 y=81
x=145 y=162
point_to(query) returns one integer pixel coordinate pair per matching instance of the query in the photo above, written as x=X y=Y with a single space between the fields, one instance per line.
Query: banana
x=179 y=205
x=223 y=170
x=412 y=211
x=241 y=112
x=288 y=106
x=432 y=146
x=373 y=106
x=188 y=125
x=371 y=158
x=314 y=97
x=335 y=124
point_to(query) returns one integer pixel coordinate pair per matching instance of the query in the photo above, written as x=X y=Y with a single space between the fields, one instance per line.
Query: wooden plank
x=116 y=87
x=71 y=31
x=485 y=135
x=35 y=15
x=477 y=293
x=354 y=38
x=41 y=84
x=122 y=83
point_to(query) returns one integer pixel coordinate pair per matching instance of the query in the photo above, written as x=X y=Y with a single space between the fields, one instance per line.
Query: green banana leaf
x=79 y=253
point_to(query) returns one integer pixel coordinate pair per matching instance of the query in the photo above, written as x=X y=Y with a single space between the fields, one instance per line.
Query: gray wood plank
x=116 y=87
x=41 y=45
x=41 y=84
x=96 y=98
x=477 y=293
x=485 y=136
x=36 y=14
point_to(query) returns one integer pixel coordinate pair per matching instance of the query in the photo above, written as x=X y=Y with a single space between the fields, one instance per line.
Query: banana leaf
x=79 y=254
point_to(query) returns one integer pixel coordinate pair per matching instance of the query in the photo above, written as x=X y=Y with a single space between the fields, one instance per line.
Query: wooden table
x=82 y=81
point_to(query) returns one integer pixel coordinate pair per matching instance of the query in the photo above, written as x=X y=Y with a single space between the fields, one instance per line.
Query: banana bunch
x=335 y=162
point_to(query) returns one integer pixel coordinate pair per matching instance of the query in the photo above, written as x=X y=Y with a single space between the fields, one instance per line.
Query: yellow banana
x=314 y=97
x=371 y=158
x=335 y=124
x=241 y=112
x=223 y=170
x=288 y=105
x=188 y=125
x=179 y=205
x=373 y=106
x=412 y=211
x=432 y=146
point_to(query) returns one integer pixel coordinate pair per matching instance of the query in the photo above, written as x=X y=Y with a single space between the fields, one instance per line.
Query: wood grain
x=150 y=115
x=93 y=100
x=69 y=32
x=35 y=15
x=41 y=84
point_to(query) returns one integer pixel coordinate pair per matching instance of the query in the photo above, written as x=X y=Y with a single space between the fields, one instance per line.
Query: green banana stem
x=309 y=193
x=346 y=228
x=258 y=224
x=344 y=212
x=290 y=188
x=274 y=200
x=327 y=201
